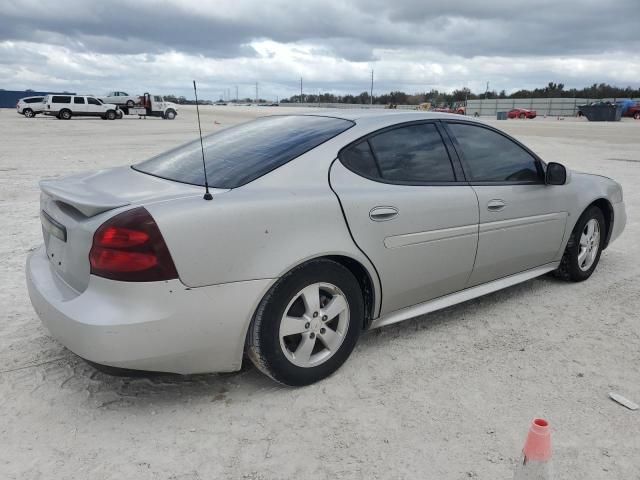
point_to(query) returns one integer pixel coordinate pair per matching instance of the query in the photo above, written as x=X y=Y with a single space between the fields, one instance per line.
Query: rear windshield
x=240 y=154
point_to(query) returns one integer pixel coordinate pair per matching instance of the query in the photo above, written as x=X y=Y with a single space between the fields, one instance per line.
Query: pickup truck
x=150 y=106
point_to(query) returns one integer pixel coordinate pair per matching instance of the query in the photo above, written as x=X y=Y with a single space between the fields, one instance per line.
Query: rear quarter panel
x=260 y=230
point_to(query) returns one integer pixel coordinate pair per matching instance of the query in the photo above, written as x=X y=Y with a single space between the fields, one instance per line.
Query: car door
x=522 y=220
x=79 y=106
x=94 y=107
x=409 y=210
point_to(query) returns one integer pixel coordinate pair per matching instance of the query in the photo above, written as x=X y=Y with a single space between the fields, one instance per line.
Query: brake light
x=130 y=248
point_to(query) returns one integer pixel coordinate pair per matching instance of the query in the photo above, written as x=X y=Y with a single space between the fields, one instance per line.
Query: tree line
x=552 y=90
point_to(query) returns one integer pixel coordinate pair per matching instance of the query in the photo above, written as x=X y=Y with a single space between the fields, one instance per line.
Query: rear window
x=60 y=99
x=240 y=154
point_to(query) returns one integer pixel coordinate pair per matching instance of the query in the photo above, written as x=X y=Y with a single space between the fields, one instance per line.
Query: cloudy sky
x=413 y=45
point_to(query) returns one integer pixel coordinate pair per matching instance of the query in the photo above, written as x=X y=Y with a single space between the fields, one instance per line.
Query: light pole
x=371 y=95
x=300 y=89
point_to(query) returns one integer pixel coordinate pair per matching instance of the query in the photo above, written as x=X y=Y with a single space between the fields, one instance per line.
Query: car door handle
x=382 y=214
x=496 y=204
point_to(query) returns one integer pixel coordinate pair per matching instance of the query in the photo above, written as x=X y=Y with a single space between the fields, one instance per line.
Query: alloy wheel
x=589 y=244
x=314 y=325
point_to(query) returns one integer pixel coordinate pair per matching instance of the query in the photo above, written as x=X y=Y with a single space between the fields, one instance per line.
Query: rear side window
x=491 y=157
x=93 y=101
x=79 y=100
x=240 y=154
x=414 y=154
x=60 y=99
x=33 y=100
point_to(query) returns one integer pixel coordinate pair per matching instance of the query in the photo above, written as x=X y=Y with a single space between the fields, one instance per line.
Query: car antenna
x=207 y=194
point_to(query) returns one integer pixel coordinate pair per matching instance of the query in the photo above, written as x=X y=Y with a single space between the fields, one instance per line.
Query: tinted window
x=78 y=100
x=156 y=98
x=60 y=99
x=93 y=101
x=33 y=100
x=360 y=159
x=491 y=157
x=414 y=153
x=240 y=154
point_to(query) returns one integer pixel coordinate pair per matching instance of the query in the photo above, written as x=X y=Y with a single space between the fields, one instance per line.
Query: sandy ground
x=448 y=396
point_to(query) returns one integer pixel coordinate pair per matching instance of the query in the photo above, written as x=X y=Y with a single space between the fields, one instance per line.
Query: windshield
x=240 y=154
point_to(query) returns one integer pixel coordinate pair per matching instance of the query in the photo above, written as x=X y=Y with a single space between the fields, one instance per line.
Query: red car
x=634 y=111
x=521 y=113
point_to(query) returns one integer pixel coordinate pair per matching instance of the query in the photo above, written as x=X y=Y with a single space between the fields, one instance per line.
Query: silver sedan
x=316 y=228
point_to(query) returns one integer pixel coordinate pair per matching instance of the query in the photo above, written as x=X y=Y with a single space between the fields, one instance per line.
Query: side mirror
x=556 y=174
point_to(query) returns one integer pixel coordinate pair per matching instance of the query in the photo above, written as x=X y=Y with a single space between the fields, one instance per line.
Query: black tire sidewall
x=27 y=112
x=65 y=115
x=575 y=272
x=111 y=115
x=273 y=307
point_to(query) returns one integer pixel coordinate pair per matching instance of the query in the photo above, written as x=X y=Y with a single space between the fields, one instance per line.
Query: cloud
x=411 y=44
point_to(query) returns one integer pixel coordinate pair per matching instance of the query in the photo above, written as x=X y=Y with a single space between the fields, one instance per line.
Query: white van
x=66 y=106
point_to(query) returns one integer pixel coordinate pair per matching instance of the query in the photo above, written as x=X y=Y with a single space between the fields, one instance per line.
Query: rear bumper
x=156 y=326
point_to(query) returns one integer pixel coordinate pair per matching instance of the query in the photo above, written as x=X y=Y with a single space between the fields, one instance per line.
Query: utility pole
x=300 y=89
x=371 y=96
x=257 y=92
x=486 y=91
x=236 y=93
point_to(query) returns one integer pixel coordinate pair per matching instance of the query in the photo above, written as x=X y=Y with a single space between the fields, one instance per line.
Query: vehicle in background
x=121 y=98
x=633 y=111
x=66 y=106
x=30 y=106
x=521 y=113
x=151 y=106
x=457 y=109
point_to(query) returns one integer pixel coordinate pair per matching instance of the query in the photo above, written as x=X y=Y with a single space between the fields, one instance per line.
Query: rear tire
x=636 y=115
x=111 y=115
x=65 y=114
x=296 y=337
x=27 y=112
x=582 y=254
x=130 y=103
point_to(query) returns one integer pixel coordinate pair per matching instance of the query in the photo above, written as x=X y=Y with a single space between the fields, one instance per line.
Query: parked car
x=30 y=106
x=66 y=106
x=521 y=113
x=633 y=111
x=121 y=98
x=319 y=227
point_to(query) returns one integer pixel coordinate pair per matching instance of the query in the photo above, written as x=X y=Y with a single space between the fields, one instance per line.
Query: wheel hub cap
x=314 y=325
x=589 y=244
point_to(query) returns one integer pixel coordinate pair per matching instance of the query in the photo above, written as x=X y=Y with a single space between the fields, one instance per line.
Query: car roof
x=378 y=115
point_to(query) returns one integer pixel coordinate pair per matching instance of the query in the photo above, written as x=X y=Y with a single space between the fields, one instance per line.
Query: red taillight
x=129 y=247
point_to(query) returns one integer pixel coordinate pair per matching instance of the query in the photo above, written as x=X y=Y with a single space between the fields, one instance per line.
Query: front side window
x=412 y=154
x=491 y=157
x=93 y=101
x=238 y=155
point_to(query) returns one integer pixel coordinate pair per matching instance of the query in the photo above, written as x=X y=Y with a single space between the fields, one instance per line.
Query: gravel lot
x=444 y=397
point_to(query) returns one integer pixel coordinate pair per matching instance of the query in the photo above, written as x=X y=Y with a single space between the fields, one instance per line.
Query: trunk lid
x=73 y=207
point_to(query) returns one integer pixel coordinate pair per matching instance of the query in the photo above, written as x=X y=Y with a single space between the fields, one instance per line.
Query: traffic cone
x=535 y=463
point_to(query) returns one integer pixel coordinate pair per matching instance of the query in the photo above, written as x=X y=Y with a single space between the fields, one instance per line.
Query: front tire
x=307 y=325
x=170 y=115
x=65 y=115
x=111 y=115
x=636 y=115
x=583 y=250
